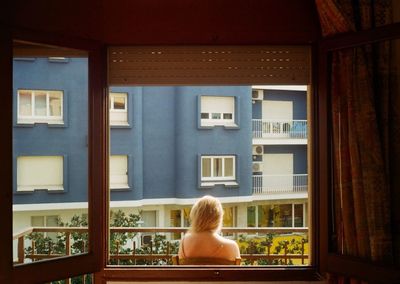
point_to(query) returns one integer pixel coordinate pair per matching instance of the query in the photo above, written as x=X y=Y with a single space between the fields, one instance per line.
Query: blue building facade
x=169 y=145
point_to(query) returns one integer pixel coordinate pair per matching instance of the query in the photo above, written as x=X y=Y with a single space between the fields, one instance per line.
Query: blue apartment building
x=169 y=145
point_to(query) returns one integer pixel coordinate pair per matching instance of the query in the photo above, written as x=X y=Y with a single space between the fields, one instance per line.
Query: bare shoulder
x=231 y=246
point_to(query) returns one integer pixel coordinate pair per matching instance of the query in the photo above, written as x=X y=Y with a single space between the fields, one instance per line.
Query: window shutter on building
x=209 y=65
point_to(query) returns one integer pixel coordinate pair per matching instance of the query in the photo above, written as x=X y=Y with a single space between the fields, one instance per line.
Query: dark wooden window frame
x=332 y=261
x=63 y=267
x=240 y=274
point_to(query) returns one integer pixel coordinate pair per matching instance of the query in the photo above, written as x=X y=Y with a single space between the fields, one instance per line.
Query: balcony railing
x=280 y=246
x=283 y=129
x=273 y=184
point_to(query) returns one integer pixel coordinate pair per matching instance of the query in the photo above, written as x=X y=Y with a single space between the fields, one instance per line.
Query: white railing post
x=292 y=129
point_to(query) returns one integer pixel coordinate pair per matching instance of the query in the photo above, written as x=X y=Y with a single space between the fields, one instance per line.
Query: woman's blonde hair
x=206 y=215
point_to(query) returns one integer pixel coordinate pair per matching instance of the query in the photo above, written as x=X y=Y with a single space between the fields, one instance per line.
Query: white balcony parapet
x=282 y=129
x=275 y=184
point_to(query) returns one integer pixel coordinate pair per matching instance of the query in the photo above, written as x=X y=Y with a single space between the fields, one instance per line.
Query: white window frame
x=217 y=121
x=227 y=180
x=30 y=119
x=112 y=110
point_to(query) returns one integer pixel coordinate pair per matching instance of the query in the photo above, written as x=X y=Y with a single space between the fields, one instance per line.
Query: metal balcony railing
x=283 y=129
x=273 y=184
x=279 y=246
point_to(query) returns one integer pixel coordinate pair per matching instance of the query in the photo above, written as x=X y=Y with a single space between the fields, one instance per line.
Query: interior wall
x=198 y=282
x=173 y=22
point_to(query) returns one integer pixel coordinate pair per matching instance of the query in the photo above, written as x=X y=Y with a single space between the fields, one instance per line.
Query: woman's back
x=208 y=244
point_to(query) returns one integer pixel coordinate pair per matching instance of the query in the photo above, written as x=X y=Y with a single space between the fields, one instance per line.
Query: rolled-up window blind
x=209 y=65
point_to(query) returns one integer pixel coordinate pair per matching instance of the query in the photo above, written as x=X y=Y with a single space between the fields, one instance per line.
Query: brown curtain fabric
x=362 y=103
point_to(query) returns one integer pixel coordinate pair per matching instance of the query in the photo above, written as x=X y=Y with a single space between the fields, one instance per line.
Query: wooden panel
x=214 y=65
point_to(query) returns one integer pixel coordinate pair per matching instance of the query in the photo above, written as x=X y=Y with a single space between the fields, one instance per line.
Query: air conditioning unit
x=257 y=167
x=146 y=239
x=257 y=95
x=258 y=149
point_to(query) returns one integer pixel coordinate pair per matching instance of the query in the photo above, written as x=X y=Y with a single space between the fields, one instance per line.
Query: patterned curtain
x=362 y=103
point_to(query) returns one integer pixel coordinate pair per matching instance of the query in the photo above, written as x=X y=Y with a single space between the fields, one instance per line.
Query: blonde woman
x=202 y=240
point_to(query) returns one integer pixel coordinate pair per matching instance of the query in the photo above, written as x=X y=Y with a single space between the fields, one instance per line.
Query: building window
x=46 y=221
x=218 y=170
x=39 y=106
x=40 y=172
x=119 y=109
x=119 y=172
x=217 y=111
x=276 y=215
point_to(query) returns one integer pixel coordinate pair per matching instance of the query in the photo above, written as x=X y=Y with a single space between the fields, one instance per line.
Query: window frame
x=223 y=177
x=226 y=273
x=97 y=163
x=125 y=111
x=213 y=122
x=33 y=118
x=96 y=260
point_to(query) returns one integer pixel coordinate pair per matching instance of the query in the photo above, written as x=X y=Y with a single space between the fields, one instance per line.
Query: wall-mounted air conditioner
x=257 y=167
x=258 y=149
x=257 y=95
x=146 y=239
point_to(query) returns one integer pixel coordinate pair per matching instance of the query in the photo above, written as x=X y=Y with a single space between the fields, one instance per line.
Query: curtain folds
x=362 y=102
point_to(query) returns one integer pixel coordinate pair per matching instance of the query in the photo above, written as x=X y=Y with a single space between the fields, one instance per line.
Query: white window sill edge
x=117 y=187
x=38 y=188
x=32 y=122
x=215 y=183
x=119 y=124
x=211 y=125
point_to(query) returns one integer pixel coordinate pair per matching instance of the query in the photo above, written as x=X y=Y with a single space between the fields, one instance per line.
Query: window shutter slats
x=203 y=65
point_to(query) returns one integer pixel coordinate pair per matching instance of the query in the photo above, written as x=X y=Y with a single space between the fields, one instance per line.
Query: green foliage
x=251 y=246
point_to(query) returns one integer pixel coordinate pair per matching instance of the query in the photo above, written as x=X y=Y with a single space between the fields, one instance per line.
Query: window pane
x=265 y=216
x=186 y=217
x=37 y=221
x=205 y=115
x=217 y=171
x=40 y=104
x=119 y=103
x=149 y=218
x=228 y=167
x=251 y=216
x=55 y=103
x=227 y=116
x=25 y=103
x=228 y=217
x=209 y=160
x=51 y=162
x=298 y=215
x=206 y=167
x=176 y=221
x=216 y=116
x=283 y=215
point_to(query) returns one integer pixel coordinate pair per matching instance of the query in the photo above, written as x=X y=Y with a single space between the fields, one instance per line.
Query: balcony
x=156 y=245
x=275 y=132
x=280 y=184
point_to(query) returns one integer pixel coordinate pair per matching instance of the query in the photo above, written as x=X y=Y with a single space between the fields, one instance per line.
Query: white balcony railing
x=284 y=129
x=272 y=184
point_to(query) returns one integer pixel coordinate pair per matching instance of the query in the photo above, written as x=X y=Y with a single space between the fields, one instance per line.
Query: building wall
x=163 y=141
x=68 y=140
x=299 y=99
